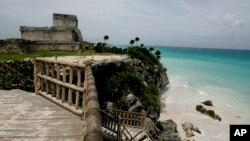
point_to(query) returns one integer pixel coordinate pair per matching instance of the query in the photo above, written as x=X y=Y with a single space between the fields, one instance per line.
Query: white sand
x=181 y=101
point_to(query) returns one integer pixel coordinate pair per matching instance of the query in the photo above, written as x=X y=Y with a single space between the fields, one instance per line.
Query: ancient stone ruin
x=63 y=35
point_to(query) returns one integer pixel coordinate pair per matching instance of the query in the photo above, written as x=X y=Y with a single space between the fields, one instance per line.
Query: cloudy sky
x=190 y=23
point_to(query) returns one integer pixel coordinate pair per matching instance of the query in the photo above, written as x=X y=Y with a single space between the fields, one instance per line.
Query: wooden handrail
x=67 y=85
x=114 y=124
x=152 y=130
x=140 y=121
x=56 y=87
x=130 y=118
x=15 y=78
x=15 y=72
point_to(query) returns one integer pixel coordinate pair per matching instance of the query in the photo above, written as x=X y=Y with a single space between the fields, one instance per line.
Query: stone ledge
x=46 y=28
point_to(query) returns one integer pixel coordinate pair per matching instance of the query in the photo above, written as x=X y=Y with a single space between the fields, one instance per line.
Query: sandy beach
x=181 y=100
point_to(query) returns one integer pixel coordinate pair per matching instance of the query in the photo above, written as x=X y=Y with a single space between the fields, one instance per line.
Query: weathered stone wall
x=21 y=45
x=47 y=33
x=53 y=45
x=64 y=20
x=15 y=45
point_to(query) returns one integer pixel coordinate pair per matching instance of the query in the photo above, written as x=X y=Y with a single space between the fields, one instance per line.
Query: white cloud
x=238 y=23
x=229 y=16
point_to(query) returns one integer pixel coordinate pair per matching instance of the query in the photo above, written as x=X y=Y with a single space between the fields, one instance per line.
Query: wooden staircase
x=121 y=129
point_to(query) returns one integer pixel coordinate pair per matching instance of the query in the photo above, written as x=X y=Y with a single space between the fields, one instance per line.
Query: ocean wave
x=202 y=93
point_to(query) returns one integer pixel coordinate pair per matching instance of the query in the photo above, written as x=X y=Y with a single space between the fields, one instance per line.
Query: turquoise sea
x=199 y=74
x=222 y=68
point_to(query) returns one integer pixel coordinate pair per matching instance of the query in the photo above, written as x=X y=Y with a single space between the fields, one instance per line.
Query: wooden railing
x=138 y=120
x=115 y=125
x=151 y=129
x=72 y=86
x=133 y=119
x=130 y=118
x=12 y=79
x=61 y=82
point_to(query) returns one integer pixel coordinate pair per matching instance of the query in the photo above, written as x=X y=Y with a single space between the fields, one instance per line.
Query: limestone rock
x=130 y=100
x=153 y=112
x=200 y=108
x=208 y=103
x=137 y=107
x=189 y=128
x=168 y=130
x=109 y=106
x=210 y=113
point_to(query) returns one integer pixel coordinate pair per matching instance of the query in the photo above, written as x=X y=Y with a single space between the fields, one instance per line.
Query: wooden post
x=84 y=95
x=42 y=80
x=36 y=86
x=47 y=74
x=64 y=81
x=119 y=137
x=58 y=78
x=78 y=84
x=53 y=85
x=70 y=90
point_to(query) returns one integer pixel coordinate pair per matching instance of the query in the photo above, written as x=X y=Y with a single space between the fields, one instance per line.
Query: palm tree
x=136 y=40
x=142 y=45
x=151 y=49
x=106 y=37
x=158 y=54
x=132 y=42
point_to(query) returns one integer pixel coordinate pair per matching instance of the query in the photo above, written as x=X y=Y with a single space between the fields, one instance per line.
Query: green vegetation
x=114 y=83
x=18 y=56
x=146 y=56
x=10 y=79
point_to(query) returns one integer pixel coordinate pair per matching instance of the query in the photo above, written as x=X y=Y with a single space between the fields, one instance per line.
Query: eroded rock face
x=210 y=113
x=130 y=100
x=137 y=107
x=168 y=130
x=142 y=71
x=189 y=128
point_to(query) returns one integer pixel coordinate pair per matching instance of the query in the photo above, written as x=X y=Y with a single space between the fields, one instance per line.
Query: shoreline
x=180 y=102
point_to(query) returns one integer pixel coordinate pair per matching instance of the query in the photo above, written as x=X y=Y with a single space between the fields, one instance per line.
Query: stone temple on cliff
x=63 y=35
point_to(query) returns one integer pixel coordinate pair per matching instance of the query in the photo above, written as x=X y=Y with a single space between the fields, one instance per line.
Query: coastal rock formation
x=147 y=74
x=168 y=130
x=130 y=100
x=151 y=74
x=207 y=103
x=189 y=128
x=133 y=104
x=209 y=113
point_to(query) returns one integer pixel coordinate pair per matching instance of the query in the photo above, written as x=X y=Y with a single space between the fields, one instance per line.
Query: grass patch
x=18 y=56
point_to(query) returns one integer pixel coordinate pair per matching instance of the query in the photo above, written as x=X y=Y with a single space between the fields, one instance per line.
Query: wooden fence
x=13 y=79
x=72 y=86
x=61 y=82
x=115 y=125
x=130 y=118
